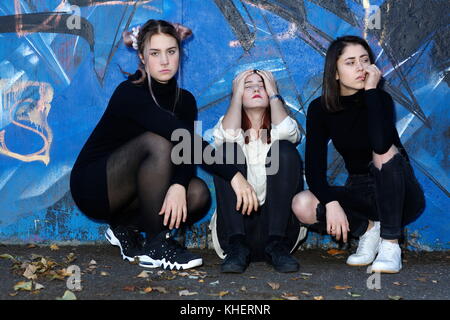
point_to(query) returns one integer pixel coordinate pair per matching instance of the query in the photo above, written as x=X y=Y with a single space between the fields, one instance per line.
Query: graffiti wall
x=60 y=62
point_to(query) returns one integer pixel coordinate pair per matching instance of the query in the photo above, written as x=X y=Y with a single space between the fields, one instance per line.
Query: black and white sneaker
x=131 y=244
x=167 y=253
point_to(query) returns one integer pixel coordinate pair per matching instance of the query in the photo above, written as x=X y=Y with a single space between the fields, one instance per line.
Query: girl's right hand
x=245 y=194
x=238 y=83
x=337 y=223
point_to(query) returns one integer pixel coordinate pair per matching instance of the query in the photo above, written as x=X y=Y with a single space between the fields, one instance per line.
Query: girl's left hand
x=269 y=82
x=373 y=76
x=174 y=206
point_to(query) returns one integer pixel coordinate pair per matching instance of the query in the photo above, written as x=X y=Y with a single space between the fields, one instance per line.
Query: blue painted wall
x=55 y=82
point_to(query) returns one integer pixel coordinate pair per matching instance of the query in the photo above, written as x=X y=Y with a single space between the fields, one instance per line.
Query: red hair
x=266 y=125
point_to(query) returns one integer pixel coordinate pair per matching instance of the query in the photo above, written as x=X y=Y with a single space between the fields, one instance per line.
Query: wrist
x=276 y=96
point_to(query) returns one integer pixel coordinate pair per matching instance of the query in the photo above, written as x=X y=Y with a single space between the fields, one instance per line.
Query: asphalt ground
x=30 y=272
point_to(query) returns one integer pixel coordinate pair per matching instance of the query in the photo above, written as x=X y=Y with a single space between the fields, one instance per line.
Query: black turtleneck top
x=365 y=125
x=131 y=111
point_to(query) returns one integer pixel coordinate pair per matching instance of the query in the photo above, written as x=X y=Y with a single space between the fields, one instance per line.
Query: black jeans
x=275 y=216
x=391 y=195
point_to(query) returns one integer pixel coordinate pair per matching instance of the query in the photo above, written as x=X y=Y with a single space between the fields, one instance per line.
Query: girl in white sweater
x=259 y=137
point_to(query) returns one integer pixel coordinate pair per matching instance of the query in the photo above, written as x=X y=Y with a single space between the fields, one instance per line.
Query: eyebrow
x=160 y=49
x=363 y=55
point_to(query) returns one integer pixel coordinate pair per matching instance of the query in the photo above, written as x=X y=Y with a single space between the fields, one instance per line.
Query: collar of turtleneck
x=158 y=88
x=353 y=99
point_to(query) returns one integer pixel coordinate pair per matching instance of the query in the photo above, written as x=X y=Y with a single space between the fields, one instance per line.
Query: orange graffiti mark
x=32 y=112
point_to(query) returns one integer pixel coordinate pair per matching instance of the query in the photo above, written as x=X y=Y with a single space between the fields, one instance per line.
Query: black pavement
x=323 y=275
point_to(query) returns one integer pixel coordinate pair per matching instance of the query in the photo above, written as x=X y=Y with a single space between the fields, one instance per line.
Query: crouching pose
x=381 y=194
x=257 y=135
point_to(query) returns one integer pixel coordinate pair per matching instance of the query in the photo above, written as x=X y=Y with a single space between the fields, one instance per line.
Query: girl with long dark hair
x=381 y=194
x=125 y=173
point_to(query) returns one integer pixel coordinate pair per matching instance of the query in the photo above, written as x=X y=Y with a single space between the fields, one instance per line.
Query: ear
x=337 y=75
x=141 y=57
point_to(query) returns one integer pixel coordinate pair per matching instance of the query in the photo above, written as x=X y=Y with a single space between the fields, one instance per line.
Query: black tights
x=138 y=177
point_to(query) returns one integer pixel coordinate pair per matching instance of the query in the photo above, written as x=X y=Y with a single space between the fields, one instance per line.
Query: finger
x=245 y=203
x=179 y=217
x=251 y=203
x=166 y=215
x=344 y=234
x=328 y=227
x=184 y=213
x=173 y=217
x=163 y=208
x=338 y=232
x=255 y=199
x=239 y=202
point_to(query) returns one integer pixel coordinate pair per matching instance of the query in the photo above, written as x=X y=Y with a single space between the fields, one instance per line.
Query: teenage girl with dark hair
x=260 y=138
x=381 y=194
x=124 y=173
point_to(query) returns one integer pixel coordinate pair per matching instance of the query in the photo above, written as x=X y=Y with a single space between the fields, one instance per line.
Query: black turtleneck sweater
x=131 y=111
x=365 y=125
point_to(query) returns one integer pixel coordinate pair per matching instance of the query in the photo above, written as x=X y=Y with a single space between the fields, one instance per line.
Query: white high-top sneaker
x=367 y=249
x=389 y=259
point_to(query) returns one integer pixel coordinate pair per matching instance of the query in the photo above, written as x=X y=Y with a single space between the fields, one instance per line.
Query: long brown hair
x=330 y=86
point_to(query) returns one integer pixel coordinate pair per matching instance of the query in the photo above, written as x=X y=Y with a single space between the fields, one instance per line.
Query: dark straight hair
x=330 y=86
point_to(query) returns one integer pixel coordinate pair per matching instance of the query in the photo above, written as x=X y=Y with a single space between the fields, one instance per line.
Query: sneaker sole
x=358 y=265
x=385 y=271
x=167 y=265
x=109 y=234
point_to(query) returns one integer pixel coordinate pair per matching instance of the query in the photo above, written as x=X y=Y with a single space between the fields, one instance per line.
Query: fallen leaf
x=38 y=286
x=30 y=272
x=160 y=289
x=148 y=289
x=31 y=246
x=421 y=279
x=70 y=257
x=434 y=281
x=318 y=298
x=353 y=294
x=215 y=283
x=342 y=287
x=334 y=252
x=306 y=274
x=243 y=288
x=54 y=247
x=201 y=280
x=274 y=285
x=129 y=288
x=395 y=297
x=223 y=293
x=143 y=274
x=14 y=294
x=186 y=293
x=7 y=256
x=306 y=293
x=253 y=277
x=103 y=273
x=92 y=262
x=22 y=285
x=289 y=296
x=183 y=274
x=68 y=295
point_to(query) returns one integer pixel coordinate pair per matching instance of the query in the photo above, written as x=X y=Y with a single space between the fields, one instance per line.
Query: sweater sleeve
x=136 y=105
x=286 y=130
x=381 y=126
x=317 y=137
x=183 y=173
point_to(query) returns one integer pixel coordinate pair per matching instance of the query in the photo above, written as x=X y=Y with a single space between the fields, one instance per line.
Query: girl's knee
x=303 y=207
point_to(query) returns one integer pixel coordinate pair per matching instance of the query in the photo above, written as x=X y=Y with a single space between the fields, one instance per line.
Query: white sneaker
x=368 y=246
x=389 y=259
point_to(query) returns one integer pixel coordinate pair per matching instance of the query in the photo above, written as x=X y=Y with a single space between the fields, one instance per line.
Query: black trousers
x=391 y=195
x=275 y=216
